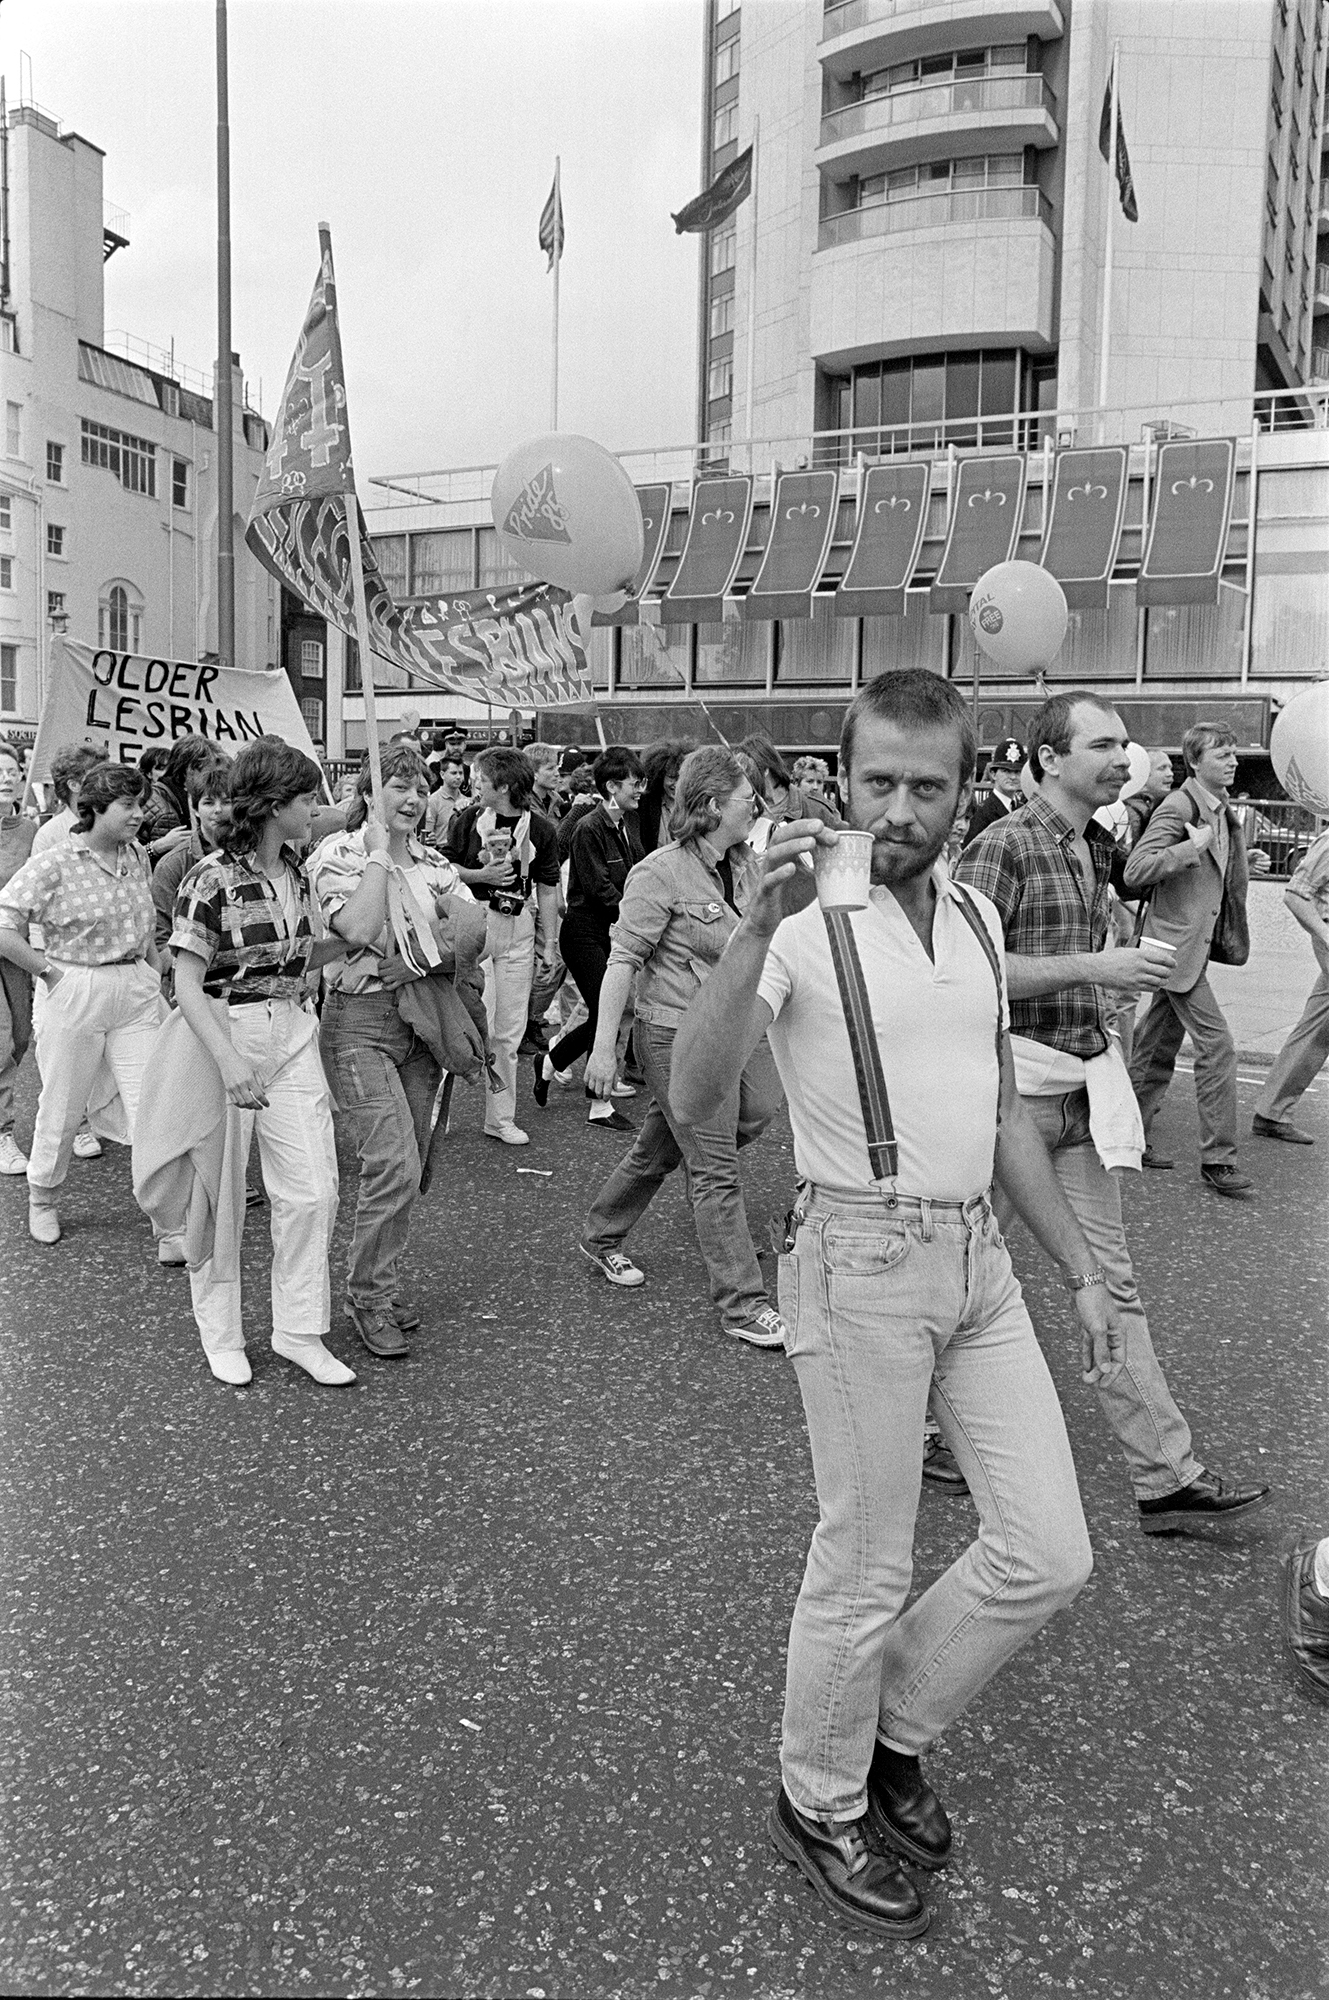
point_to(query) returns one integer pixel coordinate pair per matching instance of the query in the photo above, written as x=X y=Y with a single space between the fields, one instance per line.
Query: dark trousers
x=584 y=943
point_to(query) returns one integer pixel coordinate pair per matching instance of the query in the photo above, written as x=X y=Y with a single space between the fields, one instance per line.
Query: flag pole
x=1106 y=337
x=558 y=251
x=358 y=589
x=225 y=418
x=752 y=294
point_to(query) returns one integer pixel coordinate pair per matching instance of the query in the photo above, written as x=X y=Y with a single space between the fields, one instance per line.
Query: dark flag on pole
x=717 y=203
x=551 y=225
x=1125 y=185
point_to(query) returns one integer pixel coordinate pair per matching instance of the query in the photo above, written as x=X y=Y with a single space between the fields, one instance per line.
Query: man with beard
x=1049 y=871
x=898 y=1286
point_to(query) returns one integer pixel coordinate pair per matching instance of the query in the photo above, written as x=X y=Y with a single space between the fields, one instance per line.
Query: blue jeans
x=384 y=1082
x=708 y=1154
x=885 y=1308
x=1138 y=1405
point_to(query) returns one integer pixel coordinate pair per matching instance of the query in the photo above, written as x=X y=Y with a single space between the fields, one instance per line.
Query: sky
x=424 y=132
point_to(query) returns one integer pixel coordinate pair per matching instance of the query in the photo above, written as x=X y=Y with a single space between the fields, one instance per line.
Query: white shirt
x=56 y=830
x=936 y=1029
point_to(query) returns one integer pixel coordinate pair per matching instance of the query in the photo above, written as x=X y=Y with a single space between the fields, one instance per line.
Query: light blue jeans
x=1138 y=1405
x=884 y=1308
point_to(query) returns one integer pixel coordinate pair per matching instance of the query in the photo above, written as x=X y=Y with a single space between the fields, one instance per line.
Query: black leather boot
x=904 y=1810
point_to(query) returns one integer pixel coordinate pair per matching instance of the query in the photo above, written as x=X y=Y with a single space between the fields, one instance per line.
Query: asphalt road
x=468 y=1680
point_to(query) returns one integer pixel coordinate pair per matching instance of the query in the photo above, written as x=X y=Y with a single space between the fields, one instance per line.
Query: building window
x=13 y=430
x=726 y=126
x=312 y=710
x=133 y=460
x=6 y=572
x=720 y=433
x=120 y=619
x=722 y=315
x=55 y=462
x=724 y=8
x=55 y=539
x=8 y=334
x=6 y=513
x=55 y=604
x=8 y=679
x=180 y=482
x=311 y=659
x=724 y=242
x=726 y=61
x=720 y=379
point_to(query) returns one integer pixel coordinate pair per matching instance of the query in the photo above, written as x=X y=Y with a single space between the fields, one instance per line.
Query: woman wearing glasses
x=679 y=907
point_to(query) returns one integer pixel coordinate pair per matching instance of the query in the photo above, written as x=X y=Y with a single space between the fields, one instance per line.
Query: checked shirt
x=229 y=914
x=1026 y=866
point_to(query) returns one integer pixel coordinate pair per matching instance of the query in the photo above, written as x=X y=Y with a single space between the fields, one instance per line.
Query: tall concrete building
x=927 y=243
x=108 y=467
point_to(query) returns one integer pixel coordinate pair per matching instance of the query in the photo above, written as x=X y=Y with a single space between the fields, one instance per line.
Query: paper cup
x=1161 y=953
x=844 y=872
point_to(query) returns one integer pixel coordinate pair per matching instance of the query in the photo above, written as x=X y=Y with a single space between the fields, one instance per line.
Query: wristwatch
x=1080 y=1281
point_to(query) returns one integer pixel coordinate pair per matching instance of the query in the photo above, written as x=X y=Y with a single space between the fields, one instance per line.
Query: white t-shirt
x=936 y=1029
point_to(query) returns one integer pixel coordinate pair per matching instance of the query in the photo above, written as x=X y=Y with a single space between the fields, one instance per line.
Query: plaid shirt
x=231 y=917
x=1025 y=866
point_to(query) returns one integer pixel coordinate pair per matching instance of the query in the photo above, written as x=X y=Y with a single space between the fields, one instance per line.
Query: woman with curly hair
x=247 y=941
x=89 y=896
x=384 y=1077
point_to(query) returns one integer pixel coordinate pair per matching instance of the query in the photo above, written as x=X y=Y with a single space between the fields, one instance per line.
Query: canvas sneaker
x=764 y=1329
x=11 y=1160
x=619 y=1270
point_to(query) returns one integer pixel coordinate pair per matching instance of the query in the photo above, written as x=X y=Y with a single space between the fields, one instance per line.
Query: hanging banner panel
x=983 y=528
x=892 y=518
x=1183 y=556
x=717 y=535
x=654 y=502
x=802 y=523
x=1083 y=524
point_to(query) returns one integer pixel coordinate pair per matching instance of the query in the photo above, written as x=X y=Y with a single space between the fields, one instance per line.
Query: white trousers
x=509 y=971
x=299 y=1155
x=94 y=1014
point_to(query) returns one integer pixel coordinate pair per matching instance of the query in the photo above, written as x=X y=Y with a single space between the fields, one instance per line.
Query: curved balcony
x=869 y=34
x=991 y=114
x=972 y=268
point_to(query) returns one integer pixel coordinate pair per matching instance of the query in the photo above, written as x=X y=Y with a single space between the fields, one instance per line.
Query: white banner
x=125 y=703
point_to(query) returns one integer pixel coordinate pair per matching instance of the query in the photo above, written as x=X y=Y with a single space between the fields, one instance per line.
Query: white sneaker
x=764 y=1329
x=509 y=1135
x=619 y=1270
x=11 y=1160
x=315 y=1359
x=622 y=1089
x=171 y=1250
x=43 y=1224
x=232 y=1367
x=87 y=1146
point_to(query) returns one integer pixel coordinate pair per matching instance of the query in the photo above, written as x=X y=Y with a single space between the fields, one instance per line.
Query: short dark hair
x=1202 y=736
x=209 y=781
x=613 y=765
x=401 y=759
x=1054 y=724
x=70 y=766
x=914 y=699
x=266 y=776
x=763 y=756
x=508 y=768
x=185 y=755
x=103 y=785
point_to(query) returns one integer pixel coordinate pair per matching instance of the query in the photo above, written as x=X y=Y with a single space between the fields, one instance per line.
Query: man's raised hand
x=787 y=884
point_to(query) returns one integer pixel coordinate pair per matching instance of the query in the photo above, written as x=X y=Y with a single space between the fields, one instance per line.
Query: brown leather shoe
x=1280 y=1128
x=904 y=1811
x=860 y=1886
x=378 y=1331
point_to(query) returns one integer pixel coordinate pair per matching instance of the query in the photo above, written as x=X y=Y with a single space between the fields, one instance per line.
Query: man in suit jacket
x=1192 y=844
x=1003 y=774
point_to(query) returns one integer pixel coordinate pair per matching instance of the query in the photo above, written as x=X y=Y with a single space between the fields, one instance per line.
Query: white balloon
x=1299 y=747
x=1139 y=777
x=1018 y=616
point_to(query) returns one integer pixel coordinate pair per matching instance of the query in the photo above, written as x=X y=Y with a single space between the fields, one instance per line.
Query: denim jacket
x=673 y=923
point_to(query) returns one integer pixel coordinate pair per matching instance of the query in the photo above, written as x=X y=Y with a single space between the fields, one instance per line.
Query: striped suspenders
x=883 y=1147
